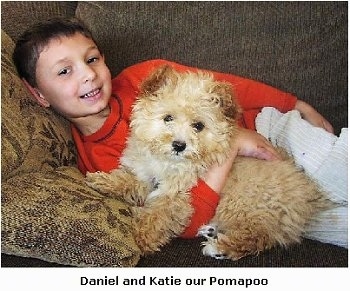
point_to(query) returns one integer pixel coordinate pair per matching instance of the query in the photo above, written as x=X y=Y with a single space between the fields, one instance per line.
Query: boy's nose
x=89 y=75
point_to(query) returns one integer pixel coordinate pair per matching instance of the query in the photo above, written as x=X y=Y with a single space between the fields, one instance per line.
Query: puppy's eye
x=168 y=118
x=198 y=126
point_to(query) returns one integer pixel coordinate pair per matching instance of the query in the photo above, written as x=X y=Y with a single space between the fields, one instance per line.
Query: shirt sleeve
x=204 y=201
x=251 y=95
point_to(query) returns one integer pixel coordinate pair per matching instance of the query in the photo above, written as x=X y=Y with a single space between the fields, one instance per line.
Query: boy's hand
x=311 y=115
x=249 y=143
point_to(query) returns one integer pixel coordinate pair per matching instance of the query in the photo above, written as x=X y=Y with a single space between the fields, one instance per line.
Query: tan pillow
x=53 y=216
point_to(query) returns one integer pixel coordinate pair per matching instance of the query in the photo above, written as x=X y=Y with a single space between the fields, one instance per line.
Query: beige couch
x=49 y=217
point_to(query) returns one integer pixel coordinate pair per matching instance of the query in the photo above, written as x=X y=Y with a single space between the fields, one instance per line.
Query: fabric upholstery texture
x=53 y=216
x=49 y=217
x=13 y=12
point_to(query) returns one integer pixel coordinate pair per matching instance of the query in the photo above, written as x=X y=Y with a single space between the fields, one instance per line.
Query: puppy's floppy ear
x=228 y=103
x=162 y=76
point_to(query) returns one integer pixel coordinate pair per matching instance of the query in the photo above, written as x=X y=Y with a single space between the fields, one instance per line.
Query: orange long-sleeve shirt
x=101 y=151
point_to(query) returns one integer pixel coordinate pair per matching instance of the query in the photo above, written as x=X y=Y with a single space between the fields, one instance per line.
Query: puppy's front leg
x=119 y=183
x=156 y=223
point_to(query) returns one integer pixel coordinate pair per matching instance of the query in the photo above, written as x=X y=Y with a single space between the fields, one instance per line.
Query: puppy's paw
x=99 y=181
x=210 y=249
x=208 y=231
x=153 y=195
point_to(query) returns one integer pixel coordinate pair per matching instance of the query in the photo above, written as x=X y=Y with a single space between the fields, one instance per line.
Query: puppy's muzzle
x=178 y=146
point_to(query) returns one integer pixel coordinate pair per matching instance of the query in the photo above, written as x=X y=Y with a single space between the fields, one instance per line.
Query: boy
x=62 y=66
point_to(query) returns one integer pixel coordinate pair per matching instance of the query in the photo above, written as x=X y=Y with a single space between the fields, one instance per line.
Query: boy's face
x=72 y=77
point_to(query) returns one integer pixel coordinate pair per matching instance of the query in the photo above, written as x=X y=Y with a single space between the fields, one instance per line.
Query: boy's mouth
x=91 y=94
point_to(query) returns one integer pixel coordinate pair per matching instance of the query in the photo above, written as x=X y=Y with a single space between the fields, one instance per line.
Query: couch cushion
x=53 y=216
x=16 y=16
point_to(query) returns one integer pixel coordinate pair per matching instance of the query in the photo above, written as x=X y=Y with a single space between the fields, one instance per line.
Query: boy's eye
x=64 y=71
x=92 y=60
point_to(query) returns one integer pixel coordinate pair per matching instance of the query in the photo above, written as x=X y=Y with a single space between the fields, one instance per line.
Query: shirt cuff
x=204 y=202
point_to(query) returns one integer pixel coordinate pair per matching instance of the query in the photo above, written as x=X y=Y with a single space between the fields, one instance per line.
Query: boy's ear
x=36 y=94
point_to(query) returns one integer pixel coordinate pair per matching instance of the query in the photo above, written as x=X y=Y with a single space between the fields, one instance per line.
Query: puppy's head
x=185 y=116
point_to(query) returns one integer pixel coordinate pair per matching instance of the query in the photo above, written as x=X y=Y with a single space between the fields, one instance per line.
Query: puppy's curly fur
x=181 y=124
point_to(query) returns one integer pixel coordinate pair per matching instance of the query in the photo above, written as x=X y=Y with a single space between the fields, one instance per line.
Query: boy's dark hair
x=35 y=39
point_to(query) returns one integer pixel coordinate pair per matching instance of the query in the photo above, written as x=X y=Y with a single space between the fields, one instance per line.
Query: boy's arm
x=311 y=115
x=205 y=195
x=250 y=94
x=204 y=201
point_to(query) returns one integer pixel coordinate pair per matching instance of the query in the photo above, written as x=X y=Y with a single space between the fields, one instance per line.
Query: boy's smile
x=91 y=94
x=73 y=78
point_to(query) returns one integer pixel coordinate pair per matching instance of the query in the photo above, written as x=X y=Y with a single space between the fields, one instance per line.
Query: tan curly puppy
x=181 y=124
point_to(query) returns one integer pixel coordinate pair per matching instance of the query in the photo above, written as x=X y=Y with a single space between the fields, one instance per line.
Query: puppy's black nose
x=179 y=146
